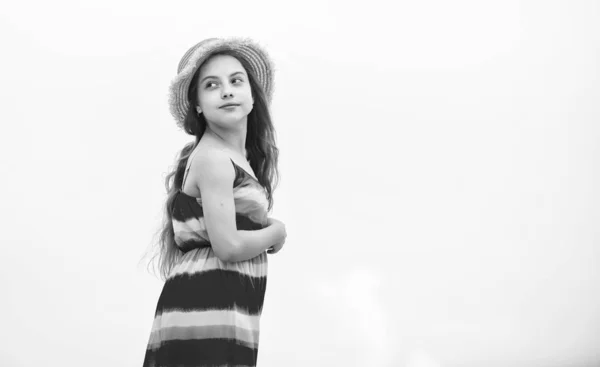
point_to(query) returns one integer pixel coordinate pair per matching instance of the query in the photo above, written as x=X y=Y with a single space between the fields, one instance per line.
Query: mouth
x=229 y=105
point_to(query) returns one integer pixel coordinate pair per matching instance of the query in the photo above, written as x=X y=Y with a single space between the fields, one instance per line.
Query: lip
x=229 y=105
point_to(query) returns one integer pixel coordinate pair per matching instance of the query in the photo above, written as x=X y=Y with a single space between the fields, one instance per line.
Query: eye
x=209 y=84
x=238 y=79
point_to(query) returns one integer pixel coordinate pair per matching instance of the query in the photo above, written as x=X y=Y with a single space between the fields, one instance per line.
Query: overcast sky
x=440 y=163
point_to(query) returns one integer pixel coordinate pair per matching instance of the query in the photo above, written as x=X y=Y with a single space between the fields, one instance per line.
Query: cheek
x=201 y=100
x=247 y=108
x=247 y=100
x=205 y=100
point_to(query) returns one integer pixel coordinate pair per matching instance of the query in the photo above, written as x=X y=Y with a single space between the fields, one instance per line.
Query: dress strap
x=189 y=162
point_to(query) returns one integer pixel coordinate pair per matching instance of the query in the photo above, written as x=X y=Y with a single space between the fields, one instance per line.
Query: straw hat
x=244 y=48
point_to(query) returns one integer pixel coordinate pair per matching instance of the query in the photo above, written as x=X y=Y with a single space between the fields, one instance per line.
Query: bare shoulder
x=211 y=167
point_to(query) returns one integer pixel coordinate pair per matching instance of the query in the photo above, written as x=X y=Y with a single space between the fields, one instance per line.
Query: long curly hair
x=260 y=146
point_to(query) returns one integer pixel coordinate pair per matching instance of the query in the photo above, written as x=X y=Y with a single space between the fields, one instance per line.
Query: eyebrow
x=212 y=76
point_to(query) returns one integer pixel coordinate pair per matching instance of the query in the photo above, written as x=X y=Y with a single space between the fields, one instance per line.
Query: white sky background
x=438 y=165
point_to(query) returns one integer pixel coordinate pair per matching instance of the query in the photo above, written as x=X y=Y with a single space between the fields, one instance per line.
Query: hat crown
x=186 y=57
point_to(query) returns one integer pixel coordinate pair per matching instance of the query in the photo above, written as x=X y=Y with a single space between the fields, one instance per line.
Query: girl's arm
x=215 y=175
x=253 y=243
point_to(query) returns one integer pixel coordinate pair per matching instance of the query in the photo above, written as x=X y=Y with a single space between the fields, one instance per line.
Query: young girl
x=213 y=247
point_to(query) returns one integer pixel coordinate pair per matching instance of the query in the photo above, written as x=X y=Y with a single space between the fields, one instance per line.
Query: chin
x=232 y=120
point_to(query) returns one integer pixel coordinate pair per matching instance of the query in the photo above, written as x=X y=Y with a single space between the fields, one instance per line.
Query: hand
x=283 y=234
x=275 y=248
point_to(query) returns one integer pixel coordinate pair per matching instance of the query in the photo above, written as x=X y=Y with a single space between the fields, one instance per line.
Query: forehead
x=220 y=65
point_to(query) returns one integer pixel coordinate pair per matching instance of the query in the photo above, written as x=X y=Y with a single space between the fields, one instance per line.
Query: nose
x=227 y=93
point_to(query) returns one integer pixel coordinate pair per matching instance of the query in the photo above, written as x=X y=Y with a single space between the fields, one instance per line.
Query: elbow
x=223 y=254
x=227 y=252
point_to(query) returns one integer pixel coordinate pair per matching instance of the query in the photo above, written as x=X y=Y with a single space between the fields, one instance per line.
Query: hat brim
x=254 y=54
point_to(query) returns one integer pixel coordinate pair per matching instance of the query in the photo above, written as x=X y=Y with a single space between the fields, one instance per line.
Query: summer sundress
x=208 y=312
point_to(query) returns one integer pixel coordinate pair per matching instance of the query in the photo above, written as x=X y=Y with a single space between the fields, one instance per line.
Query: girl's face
x=223 y=81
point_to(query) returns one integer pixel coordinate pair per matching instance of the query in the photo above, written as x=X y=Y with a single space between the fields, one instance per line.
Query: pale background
x=440 y=165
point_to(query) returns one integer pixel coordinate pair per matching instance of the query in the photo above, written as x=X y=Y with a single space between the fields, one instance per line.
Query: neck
x=233 y=139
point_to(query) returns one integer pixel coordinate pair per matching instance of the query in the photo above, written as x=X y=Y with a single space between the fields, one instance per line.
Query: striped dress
x=209 y=311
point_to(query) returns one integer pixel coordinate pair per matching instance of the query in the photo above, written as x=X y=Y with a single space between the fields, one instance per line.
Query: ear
x=198 y=110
